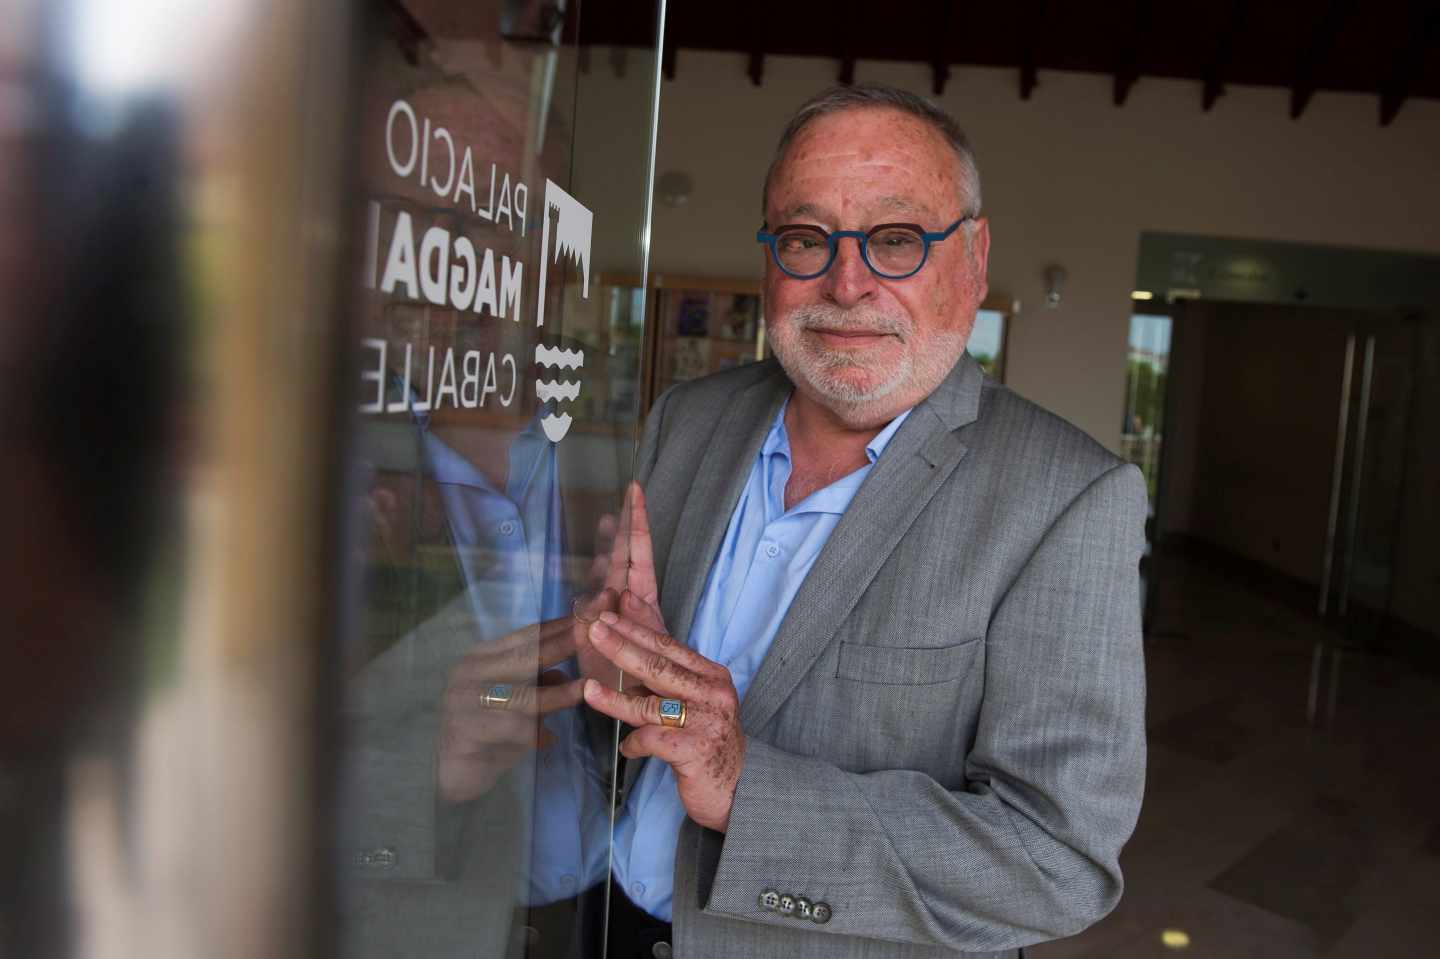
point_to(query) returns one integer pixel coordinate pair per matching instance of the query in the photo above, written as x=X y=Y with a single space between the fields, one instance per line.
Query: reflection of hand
x=640 y=577
x=587 y=610
x=626 y=565
x=380 y=509
x=479 y=742
x=708 y=752
x=605 y=540
x=625 y=561
x=384 y=506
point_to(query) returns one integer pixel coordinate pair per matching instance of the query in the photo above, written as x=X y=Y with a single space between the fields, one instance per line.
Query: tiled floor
x=1261 y=835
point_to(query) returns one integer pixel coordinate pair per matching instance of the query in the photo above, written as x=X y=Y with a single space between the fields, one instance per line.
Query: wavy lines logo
x=573 y=228
x=556 y=425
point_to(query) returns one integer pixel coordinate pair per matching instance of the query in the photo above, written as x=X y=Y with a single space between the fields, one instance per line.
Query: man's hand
x=709 y=752
x=627 y=563
x=479 y=742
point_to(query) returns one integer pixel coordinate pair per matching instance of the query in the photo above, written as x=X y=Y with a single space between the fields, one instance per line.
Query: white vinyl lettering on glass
x=444 y=264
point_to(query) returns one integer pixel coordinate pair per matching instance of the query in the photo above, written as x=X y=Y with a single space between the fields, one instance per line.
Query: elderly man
x=888 y=630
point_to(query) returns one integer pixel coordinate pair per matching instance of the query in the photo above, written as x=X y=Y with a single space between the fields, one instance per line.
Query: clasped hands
x=619 y=628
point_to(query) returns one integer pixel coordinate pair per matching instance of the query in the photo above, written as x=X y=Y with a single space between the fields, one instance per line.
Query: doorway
x=1291 y=620
x=1294 y=458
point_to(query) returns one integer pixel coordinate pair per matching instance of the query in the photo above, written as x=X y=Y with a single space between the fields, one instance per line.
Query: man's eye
x=897 y=241
x=801 y=243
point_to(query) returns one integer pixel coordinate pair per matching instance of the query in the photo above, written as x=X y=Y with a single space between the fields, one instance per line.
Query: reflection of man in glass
x=464 y=664
x=891 y=616
x=473 y=530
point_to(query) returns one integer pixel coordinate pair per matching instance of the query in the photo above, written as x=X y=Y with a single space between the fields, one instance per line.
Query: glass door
x=1377 y=457
x=1373 y=587
x=315 y=436
x=501 y=171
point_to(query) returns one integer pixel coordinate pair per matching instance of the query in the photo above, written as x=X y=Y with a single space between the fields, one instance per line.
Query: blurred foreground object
x=168 y=261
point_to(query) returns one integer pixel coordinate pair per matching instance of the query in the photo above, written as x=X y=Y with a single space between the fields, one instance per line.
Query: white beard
x=855 y=385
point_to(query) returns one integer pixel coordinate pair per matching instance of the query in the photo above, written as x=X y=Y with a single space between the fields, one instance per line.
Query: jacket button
x=661 y=950
x=787 y=905
x=820 y=913
x=802 y=908
x=769 y=900
x=383 y=858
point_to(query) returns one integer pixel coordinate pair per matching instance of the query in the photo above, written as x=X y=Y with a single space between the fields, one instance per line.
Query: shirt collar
x=882 y=439
x=450 y=468
x=778 y=439
x=527 y=452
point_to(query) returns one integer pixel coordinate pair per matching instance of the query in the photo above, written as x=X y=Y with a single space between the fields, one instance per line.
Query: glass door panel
x=1376 y=473
x=499 y=174
x=1147 y=365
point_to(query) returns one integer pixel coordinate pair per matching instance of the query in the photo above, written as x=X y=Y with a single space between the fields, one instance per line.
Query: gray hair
x=879 y=96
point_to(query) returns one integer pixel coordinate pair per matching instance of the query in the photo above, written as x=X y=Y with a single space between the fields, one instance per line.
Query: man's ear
x=979 y=252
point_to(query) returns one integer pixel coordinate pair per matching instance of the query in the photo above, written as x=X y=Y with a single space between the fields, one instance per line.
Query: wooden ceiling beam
x=1127 y=58
x=1419 y=34
x=1212 y=90
x=633 y=26
x=1125 y=79
x=940 y=75
x=755 y=69
x=940 y=49
x=1213 y=83
x=1315 y=48
x=1032 y=24
x=1029 y=79
x=845 y=24
x=667 y=54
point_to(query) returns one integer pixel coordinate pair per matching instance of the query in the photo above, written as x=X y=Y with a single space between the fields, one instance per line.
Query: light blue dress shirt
x=765 y=556
x=510 y=547
x=509 y=543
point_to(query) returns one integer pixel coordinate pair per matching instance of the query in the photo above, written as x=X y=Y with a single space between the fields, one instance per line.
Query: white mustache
x=835 y=320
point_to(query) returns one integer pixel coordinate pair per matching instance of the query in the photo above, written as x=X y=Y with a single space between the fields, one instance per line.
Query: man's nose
x=848 y=281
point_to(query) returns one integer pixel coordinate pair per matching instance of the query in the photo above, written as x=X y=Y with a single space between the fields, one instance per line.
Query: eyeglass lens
x=893 y=251
x=804 y=252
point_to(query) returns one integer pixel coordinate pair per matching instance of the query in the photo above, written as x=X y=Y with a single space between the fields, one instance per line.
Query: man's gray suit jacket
x=946 y=740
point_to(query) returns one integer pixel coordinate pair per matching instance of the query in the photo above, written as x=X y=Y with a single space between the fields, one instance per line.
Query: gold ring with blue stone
x=499 y=696
x=672 y=713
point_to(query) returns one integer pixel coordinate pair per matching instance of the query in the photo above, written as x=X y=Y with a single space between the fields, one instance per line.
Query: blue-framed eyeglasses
x=891 y=250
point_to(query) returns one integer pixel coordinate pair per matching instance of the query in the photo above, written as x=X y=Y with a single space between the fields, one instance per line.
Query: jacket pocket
x=906 y=665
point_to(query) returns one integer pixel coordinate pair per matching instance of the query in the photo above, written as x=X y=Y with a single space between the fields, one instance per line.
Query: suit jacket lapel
x=728 y=458
x=919 y=458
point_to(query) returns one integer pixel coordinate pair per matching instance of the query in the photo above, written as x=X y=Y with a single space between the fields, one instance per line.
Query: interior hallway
x=1260 y=835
